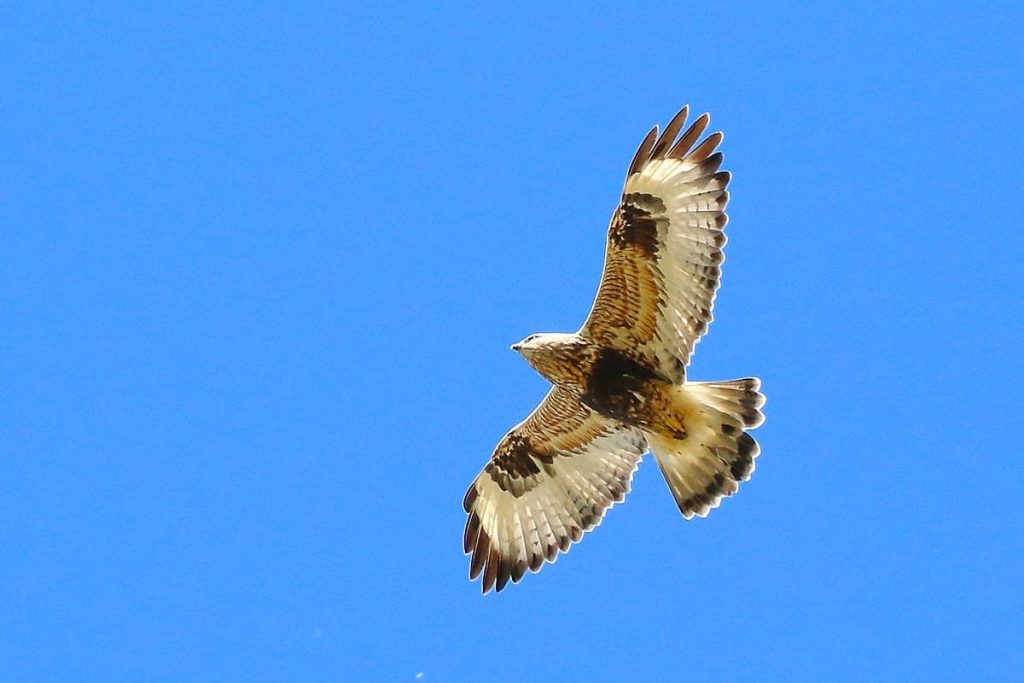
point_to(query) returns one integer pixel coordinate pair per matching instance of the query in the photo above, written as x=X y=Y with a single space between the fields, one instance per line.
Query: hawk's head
x=559 y=357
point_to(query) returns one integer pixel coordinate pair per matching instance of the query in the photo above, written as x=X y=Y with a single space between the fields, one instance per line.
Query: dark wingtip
x=699 y=125
x=670 y=133
x=643 y=152
x=491 y=569
x=705 y=149
x=476 y=563
x=471 y=533
x=470 y=498
x=504 y=574
x=712 y=164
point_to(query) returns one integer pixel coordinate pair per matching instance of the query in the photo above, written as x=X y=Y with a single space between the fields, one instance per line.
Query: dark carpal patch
x=514 y=458
x=647 y=202
x=635 y=224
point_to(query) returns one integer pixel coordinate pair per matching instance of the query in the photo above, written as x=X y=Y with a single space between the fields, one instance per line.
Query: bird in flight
x=619 y=383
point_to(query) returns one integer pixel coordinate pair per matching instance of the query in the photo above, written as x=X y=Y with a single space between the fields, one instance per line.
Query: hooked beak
x=516 y=346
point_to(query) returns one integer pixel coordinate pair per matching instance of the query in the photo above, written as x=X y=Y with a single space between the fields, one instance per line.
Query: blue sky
x=261 y=266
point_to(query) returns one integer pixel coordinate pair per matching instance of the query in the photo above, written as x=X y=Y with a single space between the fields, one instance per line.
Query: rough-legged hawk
x=620 y=384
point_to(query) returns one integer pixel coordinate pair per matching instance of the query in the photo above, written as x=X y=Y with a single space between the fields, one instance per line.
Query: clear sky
x=260 y=268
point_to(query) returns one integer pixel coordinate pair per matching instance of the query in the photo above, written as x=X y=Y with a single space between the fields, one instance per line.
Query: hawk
x=619 y=383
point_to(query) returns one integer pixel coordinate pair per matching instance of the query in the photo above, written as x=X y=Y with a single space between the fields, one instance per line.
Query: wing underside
x=551 y=479
x=664 y=249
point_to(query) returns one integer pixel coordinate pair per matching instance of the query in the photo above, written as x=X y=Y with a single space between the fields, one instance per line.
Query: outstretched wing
x=662 y=263
x=550 y=479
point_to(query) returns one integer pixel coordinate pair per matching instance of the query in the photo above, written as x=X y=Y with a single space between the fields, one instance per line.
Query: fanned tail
x=717 y=453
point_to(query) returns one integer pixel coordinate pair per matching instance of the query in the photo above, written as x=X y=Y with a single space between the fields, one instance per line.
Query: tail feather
x=717 y=453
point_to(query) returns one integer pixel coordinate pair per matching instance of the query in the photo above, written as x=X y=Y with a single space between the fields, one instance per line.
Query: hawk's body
x=619 y=383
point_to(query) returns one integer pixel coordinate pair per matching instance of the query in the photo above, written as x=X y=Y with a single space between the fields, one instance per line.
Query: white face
x=549 y=353
x=538 y=343
x=557 y=356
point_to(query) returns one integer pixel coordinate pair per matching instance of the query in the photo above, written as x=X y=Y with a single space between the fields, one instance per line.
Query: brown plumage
x=620 y=383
